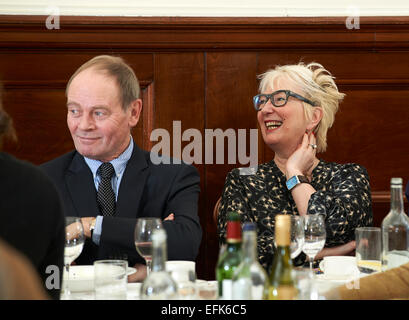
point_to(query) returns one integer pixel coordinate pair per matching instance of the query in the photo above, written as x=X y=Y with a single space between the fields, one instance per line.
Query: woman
x=295 y=109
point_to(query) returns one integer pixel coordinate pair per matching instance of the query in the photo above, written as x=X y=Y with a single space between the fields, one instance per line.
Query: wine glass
x=143 y=238
x=297 y=236
x=74 y=242
x=314 y=236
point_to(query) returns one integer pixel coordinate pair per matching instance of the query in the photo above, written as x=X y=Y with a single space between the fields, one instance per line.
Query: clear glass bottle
x=250 y=280
x=230 y=257
x=395 y=230
x=281 y=282
x=159 y=285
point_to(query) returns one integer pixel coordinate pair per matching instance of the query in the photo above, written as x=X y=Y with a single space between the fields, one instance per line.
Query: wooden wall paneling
x=202 y=71
x=230 y=86
x=179 y=96
x=39 y=117
x=35 y=85
x=352 y=139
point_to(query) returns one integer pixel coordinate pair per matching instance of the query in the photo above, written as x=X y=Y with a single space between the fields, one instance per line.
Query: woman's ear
x=316 y=117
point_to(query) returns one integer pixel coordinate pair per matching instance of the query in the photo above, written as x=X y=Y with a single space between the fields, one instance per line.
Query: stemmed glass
x=74 y=242
x=143 y=238
x=314 y=236
x=297 y=236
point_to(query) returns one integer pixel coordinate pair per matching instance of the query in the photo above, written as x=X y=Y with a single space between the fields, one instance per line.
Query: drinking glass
x=297 y=236
x=314 y=236
x=143 y=238
x=74 y=242
x=368 y=250
x=184 y=274
x=110 y=279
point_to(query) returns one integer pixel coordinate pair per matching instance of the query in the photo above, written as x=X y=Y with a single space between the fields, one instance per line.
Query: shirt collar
x=119 y=163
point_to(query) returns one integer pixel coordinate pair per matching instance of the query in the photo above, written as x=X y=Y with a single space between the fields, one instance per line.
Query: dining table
x=315 y=288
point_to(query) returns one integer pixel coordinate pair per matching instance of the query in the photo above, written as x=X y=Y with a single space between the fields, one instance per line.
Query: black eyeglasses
x=278 y=98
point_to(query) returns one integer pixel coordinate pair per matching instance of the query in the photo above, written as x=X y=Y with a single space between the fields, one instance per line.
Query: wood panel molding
x=170 y=33
x=384 y=197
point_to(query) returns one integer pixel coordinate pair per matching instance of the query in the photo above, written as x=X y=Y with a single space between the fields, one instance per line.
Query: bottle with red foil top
x=230 y=257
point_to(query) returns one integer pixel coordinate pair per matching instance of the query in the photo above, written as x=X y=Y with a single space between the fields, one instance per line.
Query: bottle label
x=257 y=292
x=283 y=292
x=227 y=290
x=242 y=289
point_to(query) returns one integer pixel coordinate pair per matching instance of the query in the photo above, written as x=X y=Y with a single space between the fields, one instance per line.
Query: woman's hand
x=302 y=160
x=346 y=249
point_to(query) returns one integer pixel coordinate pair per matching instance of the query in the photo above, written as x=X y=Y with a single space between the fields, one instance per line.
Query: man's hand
x=86 y=224
x=140 y=273
x=170 y=217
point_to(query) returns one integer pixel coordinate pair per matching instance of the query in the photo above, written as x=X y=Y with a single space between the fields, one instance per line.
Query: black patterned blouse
x=343 y=195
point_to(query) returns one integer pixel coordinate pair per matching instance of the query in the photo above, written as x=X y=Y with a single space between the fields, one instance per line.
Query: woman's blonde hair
x=318 y=85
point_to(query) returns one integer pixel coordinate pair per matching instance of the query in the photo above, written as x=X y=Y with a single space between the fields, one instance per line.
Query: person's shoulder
x=345 y=168
x=59 y=163
x=12 y=165
x=251 y=173
x=18 y=169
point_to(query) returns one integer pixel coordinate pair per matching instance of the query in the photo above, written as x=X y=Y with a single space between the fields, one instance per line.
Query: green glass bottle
x=250 y=280
x=282 y=285
x=229 y=258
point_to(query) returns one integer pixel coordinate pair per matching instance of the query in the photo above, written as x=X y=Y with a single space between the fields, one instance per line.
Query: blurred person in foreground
x=18 y=279
x=103 y=105
x=387 y=285
x=31 y=218
x=295 y=108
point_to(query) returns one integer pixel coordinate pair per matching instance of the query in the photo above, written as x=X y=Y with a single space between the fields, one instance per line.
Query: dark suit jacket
x=146 y=190
x=31 y=217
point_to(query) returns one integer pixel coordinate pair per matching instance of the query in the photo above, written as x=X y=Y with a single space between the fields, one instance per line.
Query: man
x=103 y=106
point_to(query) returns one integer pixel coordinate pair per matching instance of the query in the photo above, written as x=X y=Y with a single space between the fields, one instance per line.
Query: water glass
x=207 y=290
x=297 y=236
x=368 y=250
x=110 y=279
x=314 y=236
x=184 y=274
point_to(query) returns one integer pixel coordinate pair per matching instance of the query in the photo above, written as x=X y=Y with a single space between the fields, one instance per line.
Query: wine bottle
x=250 y=280
x=159 y=285
x=230 y=257
x=395 y=230
x=281 y=282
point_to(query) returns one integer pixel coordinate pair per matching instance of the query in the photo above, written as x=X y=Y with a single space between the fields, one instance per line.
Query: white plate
x=82 y=278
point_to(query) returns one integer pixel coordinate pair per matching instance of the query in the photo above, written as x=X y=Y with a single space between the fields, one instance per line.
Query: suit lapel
x=81 y=187
x=132 y=185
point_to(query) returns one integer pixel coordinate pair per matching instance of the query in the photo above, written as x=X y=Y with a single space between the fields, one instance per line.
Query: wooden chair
x=216 y=210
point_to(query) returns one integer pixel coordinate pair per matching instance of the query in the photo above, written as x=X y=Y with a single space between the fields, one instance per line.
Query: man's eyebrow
x=73 y=103
x=98 y=106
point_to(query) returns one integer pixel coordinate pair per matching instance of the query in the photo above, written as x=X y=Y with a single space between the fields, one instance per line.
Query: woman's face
x=283 y=127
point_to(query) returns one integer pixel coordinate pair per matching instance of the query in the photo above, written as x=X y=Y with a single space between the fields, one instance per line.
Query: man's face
x=99 y=126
